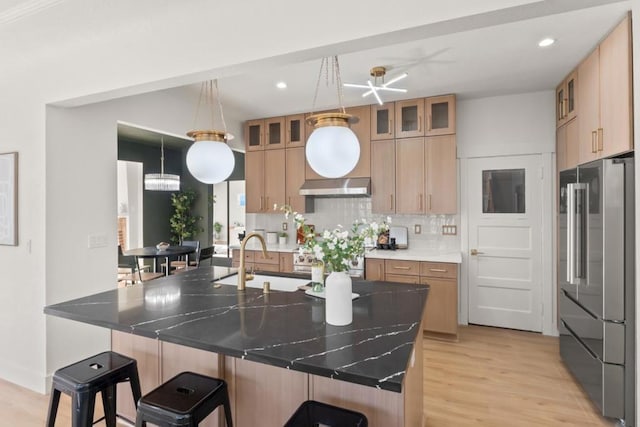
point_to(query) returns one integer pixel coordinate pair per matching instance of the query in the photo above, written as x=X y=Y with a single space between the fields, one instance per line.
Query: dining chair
x=130 y=272
x=193 y=258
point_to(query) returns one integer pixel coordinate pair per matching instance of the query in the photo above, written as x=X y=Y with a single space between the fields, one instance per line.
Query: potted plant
x=282 y=238
x=217 y=227
x=184 y=224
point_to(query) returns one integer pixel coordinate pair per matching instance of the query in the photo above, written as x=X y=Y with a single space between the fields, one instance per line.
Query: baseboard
x=24 y=377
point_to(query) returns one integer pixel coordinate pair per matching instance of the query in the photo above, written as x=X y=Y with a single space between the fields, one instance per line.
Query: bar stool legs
x=82 y=380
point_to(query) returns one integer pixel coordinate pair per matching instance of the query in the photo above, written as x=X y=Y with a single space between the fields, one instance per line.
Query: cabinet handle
x=419 y=124
x=429 y=122
x=380 y=272
x=402 y=268
x=390 y=201
x=260 y=203
x=390 y=126
x=593 y=142
x=564 y=108
x=266 y=203
x=600 y=139
x=429 y=201
x=438 y=270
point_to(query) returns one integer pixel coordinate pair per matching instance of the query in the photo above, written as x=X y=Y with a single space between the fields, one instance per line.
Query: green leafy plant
x=217 y=227
x=184 y=224
x=282 y=234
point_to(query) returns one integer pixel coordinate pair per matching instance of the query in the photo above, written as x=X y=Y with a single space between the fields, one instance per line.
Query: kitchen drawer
x=439 y=269
x=406 y=268
x=274 y=268
x=401 y=278
x=271 y=258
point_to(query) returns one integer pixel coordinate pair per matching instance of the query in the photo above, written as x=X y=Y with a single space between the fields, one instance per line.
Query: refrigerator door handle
x=576 y=222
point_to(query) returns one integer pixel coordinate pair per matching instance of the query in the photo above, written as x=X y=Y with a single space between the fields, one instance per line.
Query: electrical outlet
x=417 y=229
x=285 y=226
x=97 y=240
x=449 y=230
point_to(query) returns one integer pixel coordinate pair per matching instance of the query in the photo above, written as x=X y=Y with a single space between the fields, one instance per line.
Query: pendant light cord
x=161 y=155
x=206 y=89
x=335 y=79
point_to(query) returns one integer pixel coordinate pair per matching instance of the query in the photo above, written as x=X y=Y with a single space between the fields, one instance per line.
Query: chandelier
x=374 y=88
x=332 y=148
x=209 y=159
x=161 y=181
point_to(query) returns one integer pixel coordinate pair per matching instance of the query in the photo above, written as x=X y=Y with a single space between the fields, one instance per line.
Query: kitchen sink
x=277 y=283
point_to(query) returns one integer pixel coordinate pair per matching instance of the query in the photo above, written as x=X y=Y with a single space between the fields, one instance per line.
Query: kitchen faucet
x=242 y=273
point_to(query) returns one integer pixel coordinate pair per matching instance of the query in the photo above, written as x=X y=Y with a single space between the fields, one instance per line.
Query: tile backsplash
x=329 y=212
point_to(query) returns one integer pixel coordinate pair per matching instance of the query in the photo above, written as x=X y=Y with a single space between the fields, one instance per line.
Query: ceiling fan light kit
x=332 y=149
x=374 y=88
x=209 y=159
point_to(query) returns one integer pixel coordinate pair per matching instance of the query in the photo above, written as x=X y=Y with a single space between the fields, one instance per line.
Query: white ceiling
x=488 y=61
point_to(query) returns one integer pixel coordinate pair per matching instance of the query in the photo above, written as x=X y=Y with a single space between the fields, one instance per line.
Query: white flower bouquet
x=337 y=248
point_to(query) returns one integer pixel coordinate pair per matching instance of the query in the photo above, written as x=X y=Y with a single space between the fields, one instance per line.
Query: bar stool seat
x=312 y=413
x=184 y=400
x=83 y=379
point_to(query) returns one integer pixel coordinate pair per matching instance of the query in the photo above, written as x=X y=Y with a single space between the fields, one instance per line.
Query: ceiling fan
x=374 y=88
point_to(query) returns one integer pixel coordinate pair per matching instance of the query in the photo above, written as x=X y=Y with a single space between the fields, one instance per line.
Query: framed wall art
x=9 y=199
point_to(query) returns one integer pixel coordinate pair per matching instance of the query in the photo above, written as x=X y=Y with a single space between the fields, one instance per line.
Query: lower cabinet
x=441 y=313
x=254 y=260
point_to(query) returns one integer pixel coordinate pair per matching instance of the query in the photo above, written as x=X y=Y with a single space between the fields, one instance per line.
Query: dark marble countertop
x=285 y=329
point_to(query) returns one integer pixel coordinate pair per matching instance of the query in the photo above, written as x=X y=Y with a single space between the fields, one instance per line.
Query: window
x=503 y=191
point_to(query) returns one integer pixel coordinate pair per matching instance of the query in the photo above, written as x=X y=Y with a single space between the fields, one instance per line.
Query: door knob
x=475 y=252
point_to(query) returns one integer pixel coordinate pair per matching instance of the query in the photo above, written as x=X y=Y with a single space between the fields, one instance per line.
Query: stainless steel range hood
x=338 y=187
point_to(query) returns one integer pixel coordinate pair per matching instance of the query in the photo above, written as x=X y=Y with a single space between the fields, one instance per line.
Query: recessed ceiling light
x=281 y=85
x=546 y=42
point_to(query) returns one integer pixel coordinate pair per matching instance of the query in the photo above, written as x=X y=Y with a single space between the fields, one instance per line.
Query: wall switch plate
x=285 y=226
x=449 y=230
x=417 y=229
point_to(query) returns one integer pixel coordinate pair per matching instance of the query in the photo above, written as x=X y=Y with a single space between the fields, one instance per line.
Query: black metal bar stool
x=184 y=400
x=82 y=380
x=312 y=413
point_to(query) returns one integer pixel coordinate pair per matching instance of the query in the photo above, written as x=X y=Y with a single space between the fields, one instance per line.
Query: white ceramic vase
x=338 y=305
x=282 y=241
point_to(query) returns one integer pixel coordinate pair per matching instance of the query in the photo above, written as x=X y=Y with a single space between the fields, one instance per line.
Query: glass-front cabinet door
x=441 y=115
x=296 y=131
x=409 y=118
x=382 y=117
x=572 y=90
x=254 y=135
x=274 y=137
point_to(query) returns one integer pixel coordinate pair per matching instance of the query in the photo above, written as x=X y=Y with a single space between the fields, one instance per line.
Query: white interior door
x=505 y=225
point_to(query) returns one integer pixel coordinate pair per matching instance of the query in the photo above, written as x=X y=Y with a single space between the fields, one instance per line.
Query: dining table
x=171 y=252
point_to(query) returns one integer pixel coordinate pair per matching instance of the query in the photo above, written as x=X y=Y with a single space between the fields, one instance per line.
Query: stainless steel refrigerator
x=596 y=276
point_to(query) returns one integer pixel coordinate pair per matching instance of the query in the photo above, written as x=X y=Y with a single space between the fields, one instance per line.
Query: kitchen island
x=274 y=350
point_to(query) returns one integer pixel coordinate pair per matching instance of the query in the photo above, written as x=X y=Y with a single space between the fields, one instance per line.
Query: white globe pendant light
x=332 y=149
x=209 y=159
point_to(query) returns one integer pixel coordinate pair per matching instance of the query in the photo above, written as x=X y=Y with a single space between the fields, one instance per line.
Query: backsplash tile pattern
x=330 y=212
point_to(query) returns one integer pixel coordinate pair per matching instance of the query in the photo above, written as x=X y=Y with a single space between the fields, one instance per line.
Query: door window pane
x=503 y=191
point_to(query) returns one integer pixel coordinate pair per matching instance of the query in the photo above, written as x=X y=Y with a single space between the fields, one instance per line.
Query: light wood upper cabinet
x=441 y=115
x=265 y=180
x=382 y=121
x=615 y=91
x=566 y=99
x=604 y=97
x=274 y=179
x=295 y=170
x=442 y=183
x=410 y=176
x=410 y=118
x=567 y=145
x=296 y=131
x=254 y=135
x=274 y=133
x=363 y=132
x=383 y=176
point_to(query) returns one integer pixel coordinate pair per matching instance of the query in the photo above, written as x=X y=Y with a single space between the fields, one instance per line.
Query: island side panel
x=263 y=395
x=412 y=388
x=177 y=358
x=146 y=352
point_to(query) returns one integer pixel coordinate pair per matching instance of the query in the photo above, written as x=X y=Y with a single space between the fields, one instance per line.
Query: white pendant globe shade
x=210 y=162
x=332 y=151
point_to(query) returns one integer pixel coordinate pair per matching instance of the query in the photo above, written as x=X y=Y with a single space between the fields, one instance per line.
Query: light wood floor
x=491 y=377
